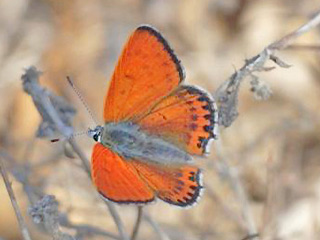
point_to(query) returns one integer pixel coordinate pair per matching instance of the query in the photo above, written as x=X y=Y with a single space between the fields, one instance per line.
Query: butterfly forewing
x=147 y=71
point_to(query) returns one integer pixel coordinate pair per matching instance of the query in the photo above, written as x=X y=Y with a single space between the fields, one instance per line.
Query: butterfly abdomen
x=129 y=141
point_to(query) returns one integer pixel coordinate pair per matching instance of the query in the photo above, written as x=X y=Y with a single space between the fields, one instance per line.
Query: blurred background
x=272 y=149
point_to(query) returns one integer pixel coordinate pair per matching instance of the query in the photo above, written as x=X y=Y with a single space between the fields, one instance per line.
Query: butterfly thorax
x=129 y=141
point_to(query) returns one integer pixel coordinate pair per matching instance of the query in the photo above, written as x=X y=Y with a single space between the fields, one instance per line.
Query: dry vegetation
x=263 y=175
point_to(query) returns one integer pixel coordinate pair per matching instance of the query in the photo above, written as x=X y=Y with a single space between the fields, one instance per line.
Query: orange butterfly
x=153 y=124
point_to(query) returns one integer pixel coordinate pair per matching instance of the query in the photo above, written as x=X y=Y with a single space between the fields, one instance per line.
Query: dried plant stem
x=81 y=155
x=227 y=97
x=46 y=108
x=249 y=237
x=239 y=191
x=19 y=175
x=138 y=223
x=227 y=93
x=111 y=207
x=303 y=47
x=85 y=163
x=288 y=39
x=162 y=235
x=22 y=224
x=117 y=220
x=227 y=210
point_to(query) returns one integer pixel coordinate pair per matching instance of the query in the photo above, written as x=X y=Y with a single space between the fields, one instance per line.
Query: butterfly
x=154 y=124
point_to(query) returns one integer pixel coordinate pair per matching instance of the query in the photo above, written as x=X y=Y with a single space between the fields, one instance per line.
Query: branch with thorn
x=227 y=94
x=227 y=98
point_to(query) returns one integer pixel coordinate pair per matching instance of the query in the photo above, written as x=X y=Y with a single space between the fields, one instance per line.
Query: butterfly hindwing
x=187 y=118
x=116 y=180
x=178 y=185
x=133 y=181
x=147 y=71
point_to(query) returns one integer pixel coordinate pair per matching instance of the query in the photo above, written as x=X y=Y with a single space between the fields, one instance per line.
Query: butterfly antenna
x=77 y=134
x=75 y=89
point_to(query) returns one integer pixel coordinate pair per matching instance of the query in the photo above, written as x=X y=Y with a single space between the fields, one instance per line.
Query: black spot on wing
x=193 y=194
x=211 y=115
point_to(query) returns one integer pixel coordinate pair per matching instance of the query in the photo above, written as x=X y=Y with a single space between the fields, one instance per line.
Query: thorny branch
x=227 y=94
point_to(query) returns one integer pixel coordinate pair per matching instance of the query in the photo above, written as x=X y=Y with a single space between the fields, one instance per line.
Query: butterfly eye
x=95 y=133
x=96 y=137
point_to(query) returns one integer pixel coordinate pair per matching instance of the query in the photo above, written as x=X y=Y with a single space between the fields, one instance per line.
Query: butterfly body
x=154 y=125
x=131 y=142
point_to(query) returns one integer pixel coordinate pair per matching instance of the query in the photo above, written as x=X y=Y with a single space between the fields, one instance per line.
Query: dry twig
x=56 y=115
x=227 y=94
x=21 y=174
x=138 y=223
x=22 y=224
x=162 y=235
x=46 y=211
x=232 y=174
x=315 y=48
x=56 y=121
x=227 y=97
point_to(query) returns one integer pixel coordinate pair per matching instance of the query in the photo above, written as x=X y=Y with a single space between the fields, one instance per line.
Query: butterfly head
x=96 y=133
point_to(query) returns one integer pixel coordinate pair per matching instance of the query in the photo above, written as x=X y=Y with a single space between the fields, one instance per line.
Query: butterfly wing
x=147 y=71
x=179 y=185
x=133 y=181
x=116 y=180
x=187 y=118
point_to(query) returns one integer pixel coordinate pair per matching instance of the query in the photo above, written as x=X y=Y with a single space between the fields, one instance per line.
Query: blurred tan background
x=274 y=145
